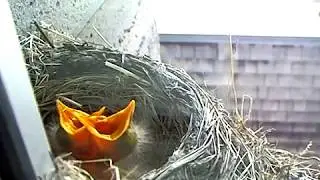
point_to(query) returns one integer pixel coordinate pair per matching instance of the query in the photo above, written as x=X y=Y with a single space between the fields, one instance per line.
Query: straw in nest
x=183 y=132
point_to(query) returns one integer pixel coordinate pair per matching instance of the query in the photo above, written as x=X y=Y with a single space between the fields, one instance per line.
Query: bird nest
x=183 y=131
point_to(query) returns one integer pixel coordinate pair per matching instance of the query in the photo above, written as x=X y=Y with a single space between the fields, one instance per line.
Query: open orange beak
x=94 y=136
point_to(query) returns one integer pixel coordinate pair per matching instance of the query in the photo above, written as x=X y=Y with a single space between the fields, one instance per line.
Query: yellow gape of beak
x=94 y=136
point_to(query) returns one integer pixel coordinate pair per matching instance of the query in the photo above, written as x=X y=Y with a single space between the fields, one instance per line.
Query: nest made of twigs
x=184 y=132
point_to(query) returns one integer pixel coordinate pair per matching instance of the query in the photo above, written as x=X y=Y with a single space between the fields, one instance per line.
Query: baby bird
x=95 y=136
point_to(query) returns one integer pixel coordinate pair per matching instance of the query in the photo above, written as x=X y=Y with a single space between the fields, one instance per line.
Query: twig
x=100 y=35
x=43 y=34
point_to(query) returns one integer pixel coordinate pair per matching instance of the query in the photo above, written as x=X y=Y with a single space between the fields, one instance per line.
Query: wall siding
x=283 y=79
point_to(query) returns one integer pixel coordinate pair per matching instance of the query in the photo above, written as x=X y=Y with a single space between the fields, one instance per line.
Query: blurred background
x=276 y=48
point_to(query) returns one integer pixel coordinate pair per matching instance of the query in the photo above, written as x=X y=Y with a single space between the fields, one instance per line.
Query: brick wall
x=282 y=76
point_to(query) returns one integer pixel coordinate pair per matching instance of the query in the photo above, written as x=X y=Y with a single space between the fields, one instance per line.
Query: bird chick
x=96 y=136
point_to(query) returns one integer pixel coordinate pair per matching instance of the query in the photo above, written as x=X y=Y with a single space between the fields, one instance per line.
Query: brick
x=265 y=66
x=300 y=136
x=261 y=52
x=315 y=95
x=285 y=143
x=183 y=63
x=285 y=80
x=221 y=66
x=187 y=51
x=270 y=105
x=313 y=106
x=203 y=65
x=300 y=93
x=313 y=68
x=303 y=117
x=286 y=105
x=198 y=77
x=296 y=117
x=303 y=127
x=299 y=105
x=278 y=116
x=272 y=116
x=222 y=92
x=243 y=51
x=172 y=51
x=282 y=67
x=271 y=80
x=262 y=92
x=289 y=127
x=295 y=53
x=295 y=80
x=239 y=66
x=278 y=93
x=289 y=143
x=279 y=53
x=257 y=104
x=163 y=53
x=250 y=67
x=255 y=116
x=206 y=51
x=298 y=67
x=310 y=53
x=246 y=90
x=223 y=51
x=215 y=79
x=249 y=79
x=261 y=116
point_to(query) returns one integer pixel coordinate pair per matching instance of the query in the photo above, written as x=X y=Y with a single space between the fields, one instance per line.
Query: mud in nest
x=183 y=132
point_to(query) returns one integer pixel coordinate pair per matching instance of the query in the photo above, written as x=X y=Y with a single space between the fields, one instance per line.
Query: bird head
x=94 y=136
